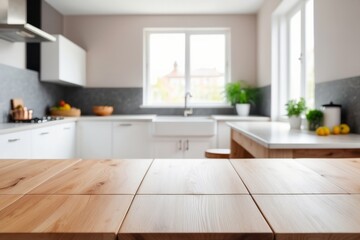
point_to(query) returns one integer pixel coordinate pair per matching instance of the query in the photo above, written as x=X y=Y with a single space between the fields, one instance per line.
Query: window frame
x=281 y=57
x=188 y=32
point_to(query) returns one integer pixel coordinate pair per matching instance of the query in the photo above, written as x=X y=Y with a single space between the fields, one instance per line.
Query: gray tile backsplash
x=25 y=84
x=345 y=92
x=39 y=96
x=126 y=101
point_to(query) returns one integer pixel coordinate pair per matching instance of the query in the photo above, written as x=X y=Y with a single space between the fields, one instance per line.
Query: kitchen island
x=277 y=140
x=259 y=199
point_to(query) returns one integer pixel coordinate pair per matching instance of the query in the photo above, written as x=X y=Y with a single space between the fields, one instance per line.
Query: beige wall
x=264 y=42
x=337 y=39
x=115 y=44
x=52 y=20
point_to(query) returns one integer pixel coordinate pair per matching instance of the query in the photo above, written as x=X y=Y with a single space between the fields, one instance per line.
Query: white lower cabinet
x=67 y=144
x=44 y=143
x=15 y=145
x=54 y=142
x=132 y=140
x=94 y=140
x=223 y=135
x=182 y=147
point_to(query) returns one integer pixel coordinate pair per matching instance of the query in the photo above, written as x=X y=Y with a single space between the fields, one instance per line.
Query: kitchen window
x=178 y=61
x=293 y=48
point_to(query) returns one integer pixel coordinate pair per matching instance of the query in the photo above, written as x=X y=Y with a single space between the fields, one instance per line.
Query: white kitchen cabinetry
x=94 y=139
x=63 y=62
x=132 y=139
x=15 y=145
x=223 y=135
x=67 y=135
x=191 y=147
x=44 y=143
x=54 y=142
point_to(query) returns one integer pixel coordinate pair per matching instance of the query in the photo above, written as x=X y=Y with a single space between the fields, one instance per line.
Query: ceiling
x=112 y=7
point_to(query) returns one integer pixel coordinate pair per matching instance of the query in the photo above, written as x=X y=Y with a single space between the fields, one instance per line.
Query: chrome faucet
x=187 y=111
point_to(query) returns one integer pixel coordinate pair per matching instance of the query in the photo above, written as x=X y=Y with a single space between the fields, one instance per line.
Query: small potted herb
x=294 y=110
x=240 y=95
x=314 y=118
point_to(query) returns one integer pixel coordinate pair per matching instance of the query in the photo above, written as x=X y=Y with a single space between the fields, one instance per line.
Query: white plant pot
x=243 y=109
x=295 y=122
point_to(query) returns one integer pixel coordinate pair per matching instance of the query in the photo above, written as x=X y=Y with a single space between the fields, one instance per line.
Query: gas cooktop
x=38 y=120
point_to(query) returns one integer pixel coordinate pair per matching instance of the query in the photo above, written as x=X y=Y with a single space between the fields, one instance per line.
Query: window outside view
x=186 y=62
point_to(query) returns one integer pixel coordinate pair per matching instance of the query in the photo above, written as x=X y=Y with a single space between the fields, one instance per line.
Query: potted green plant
x=294 y=110
x=314 y=118
x=240 y=95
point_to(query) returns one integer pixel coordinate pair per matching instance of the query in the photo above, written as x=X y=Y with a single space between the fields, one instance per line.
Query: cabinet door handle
x=187 y=145
x=180 y=145
x=67 y=128
x=44 y=133
x=13 y=140
x=125 y=125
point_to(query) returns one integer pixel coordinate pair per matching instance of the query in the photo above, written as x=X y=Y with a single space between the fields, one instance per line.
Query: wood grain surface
x=344 y=173
x=170 y=216
x=281 y=176
x=6 y=200
x=300 y=217
x=23 y=177
x=5 y=163
x=100 y=215
x=192 y=176
x=98 y=177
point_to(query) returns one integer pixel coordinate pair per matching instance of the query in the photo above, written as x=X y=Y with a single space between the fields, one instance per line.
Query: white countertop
x=15 y=127
x=143 y=117
x=277 y=135
x=239 y=118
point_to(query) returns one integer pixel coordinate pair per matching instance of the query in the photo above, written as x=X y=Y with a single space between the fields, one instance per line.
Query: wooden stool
x=217 y=153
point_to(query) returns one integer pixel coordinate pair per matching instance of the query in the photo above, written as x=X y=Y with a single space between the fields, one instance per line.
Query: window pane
x=309 y=51
x=295 y=56
x=207 y=68
x=166 y=69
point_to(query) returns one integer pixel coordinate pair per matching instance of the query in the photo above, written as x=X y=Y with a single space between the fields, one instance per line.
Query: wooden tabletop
x=52 y=216
x=22 y=177
x=180 y=199
x=335 y=217
x=194 y=217
x=6 y=200
x=6 y=163
x=97 y=177
x=282 y=176
x=192 y=176
x=344 y=173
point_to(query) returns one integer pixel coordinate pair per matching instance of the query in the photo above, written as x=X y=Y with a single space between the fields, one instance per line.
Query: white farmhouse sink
x=184 y=126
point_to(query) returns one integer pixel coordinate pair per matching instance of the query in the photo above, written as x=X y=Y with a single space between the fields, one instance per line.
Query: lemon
x=67 y=106
x=323 y=131
x=336 y=130
x=344 y=128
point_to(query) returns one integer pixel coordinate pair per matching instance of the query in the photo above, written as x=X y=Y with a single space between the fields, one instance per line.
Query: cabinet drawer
x=15 y=145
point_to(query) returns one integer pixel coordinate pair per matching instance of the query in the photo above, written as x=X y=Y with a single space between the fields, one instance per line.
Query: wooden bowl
x=103 y=110
x=73 y=112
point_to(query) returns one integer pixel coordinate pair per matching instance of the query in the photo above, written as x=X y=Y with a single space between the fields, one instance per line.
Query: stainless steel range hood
x=13 y=26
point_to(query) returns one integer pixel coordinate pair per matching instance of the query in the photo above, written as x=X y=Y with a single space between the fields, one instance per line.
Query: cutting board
x=16 y=102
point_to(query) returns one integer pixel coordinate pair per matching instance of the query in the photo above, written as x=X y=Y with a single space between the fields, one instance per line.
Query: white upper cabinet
x=63 y=62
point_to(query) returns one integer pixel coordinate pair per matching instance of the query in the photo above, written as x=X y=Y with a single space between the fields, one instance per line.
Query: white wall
x=114 y=44
x=337 y=39
x=264 y=42
x=12 y=54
